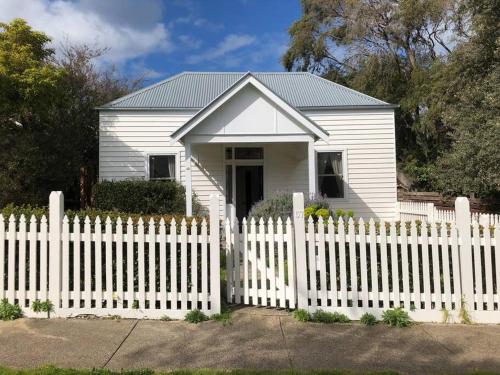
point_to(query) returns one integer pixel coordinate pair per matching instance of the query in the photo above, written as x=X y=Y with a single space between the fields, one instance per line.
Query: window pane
x=161 y=166
x=229 y=184
x=331 y=186
x=248 y=153
x=229 y=153
x=330 y=163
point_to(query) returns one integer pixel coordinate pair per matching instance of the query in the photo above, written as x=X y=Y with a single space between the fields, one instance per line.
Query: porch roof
x=287 y=120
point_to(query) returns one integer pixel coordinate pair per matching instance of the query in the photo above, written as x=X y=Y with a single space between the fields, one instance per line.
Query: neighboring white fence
x=149 y=270
x=409 y=210
x=433 y=271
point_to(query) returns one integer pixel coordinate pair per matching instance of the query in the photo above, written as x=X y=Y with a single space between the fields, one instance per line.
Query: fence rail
x=434 y=271
x=410 y=210
x=149 y=270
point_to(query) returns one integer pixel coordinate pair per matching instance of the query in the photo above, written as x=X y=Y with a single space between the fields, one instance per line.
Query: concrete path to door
x=256 y=339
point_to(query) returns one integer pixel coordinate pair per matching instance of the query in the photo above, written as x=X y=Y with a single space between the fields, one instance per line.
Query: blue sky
x=159 y=38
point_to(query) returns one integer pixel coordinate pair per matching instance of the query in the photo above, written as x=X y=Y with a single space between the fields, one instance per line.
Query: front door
x=249 y=188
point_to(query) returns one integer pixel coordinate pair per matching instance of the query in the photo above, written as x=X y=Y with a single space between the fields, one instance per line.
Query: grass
x=196 y=316
x=368 y=319
x=49 y=370
x=320 y=316
x=225 y=317
x=396 y=318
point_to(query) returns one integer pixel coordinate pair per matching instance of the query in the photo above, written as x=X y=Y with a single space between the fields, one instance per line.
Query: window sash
x=336 y=181
x=170 y=168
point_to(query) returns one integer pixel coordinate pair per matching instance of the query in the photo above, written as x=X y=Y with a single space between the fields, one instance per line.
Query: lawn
x=49 y=370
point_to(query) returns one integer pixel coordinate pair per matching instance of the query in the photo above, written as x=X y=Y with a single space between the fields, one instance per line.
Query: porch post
x=311 y=158
x=189 y=187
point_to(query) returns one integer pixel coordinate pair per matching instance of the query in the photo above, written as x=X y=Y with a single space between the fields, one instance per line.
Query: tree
x=28 y=86
x=381 y=47
x=464 y=94
x=48 y=121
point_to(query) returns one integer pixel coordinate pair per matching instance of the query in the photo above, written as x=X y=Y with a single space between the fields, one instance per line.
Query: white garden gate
x=434 y=271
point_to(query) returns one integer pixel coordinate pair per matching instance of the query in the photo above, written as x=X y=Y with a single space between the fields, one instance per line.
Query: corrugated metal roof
x=194 y=90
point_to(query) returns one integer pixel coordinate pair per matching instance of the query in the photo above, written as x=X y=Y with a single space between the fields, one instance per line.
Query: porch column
x=189 y=187
x=311 y=158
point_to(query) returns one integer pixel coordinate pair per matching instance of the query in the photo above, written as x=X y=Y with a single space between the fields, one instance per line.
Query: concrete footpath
x=256 y=339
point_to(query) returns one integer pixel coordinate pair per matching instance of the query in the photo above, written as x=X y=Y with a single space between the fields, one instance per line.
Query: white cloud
x=129 y=30
x=230 y=44
x=190 y=42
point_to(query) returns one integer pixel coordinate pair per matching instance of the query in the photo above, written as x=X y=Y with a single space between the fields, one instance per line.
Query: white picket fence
x=433 y=271
x=410 y=210
x=145 y=271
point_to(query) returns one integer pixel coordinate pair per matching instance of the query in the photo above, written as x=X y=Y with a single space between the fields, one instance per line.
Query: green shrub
x=340 y=213
x=302 y=315
x=9 y=311
x=321 y=316
x=368 y=319
x=196 y=316
x=396 y=317
x=309 y=211
x=278 y=205
x=45 y=306
x=144 y=197
x=226 y=317
x=165 y=318
x=324 y=213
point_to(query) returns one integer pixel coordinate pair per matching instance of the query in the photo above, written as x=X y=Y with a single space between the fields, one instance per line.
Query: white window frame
x=177 y=159
x=345 y=173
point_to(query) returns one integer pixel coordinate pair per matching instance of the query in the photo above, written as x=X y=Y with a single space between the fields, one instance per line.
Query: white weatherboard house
x=247 y=135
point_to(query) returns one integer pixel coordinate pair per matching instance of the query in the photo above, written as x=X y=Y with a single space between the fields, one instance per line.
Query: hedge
x=142 y=197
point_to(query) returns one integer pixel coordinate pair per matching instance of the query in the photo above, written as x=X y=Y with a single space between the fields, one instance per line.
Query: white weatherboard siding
x=126 y=138
x=366 y=136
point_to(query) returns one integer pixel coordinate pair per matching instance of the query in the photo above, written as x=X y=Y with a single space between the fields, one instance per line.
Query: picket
x=112 y=283
x=147 y=272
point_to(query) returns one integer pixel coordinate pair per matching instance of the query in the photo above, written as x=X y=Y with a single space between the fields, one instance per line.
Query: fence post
x=300 y=250
x=215 y=285
x=56 y=212
x=430 y=213
x=463 y=219
x=398 y=212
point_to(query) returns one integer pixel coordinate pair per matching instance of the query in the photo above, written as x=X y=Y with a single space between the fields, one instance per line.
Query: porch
x=245 y=173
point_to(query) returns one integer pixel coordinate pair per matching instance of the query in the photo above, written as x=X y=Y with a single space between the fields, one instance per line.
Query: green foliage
x=278 y=205
x=196 y=316
x=368 y=319
x=48 y=122
x=446 y=82
x=225 y=317
x=43 y=306
x=302 y=315
x=309 y=211
x=9 y=311
x=135 y=305
x=463 y=313
x=323 y=213
x=396 y=317
x=321 y=316
x=165 y=318
x=38 y=212
x=340 y=213
x=146 y=197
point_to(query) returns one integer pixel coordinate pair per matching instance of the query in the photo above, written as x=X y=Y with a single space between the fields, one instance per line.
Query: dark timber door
x=249 y=188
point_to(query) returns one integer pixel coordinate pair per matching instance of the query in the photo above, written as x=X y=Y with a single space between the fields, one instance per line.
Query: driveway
x=256 y=339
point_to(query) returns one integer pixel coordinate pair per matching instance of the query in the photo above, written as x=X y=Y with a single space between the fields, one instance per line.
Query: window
x=161 y=167
x=330 y=174
x=248 y=153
